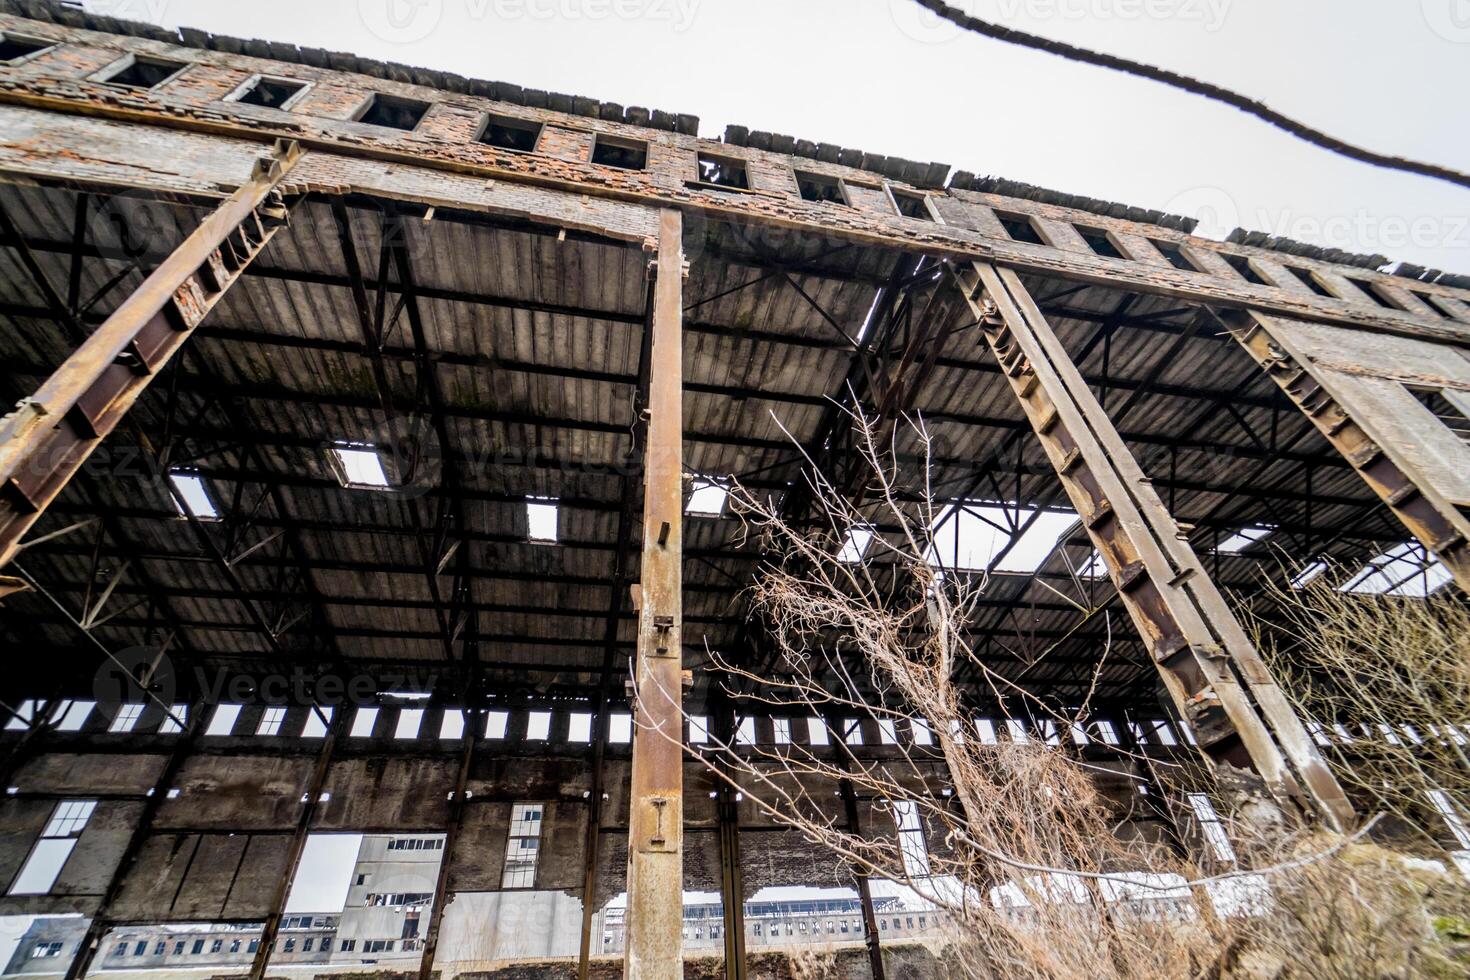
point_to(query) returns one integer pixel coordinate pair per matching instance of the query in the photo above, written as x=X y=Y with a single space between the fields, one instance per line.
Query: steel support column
x=1214 y=674
x=865 y=892
x=727 y=813
x=656 y=822
x=1436 y=522
x=48 y=436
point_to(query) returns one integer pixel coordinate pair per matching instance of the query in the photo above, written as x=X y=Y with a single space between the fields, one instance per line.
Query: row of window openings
x=361 y=468
x=182 y=947
x=69 y=715
x=1022 y=228
x=522 y=136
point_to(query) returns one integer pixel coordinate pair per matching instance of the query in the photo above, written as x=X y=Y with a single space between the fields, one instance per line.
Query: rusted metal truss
x=49 y=435
x=1215 y=676
x=1436 y=522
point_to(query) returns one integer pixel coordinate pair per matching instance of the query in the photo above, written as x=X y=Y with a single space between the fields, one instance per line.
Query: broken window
x=142 y=72
x=541 y=519
x=911 y=205
x=70 y=716
x=1406 y=569
x=1310 y=280
x=409 y=720
x=359 y=466
x=174 y=721
x=14 y=47
x=975 y=536
x=707 y=498
x=1452 y=816
x=620 y=727
x=1100 y=241
x=509 y=133
x=451 y=725
x=911 y=842
x=579 y=727
x=393 y=112
x=1177 y=256
x=269 y=93
x=610 y=151
x=522 y=847
x=1019 y=227
x=538 y=726
x=852 y=732
x=316 y=722
x=1247 y=270
x=191 y=496
x=1243 y=539
x=50 y=852
x=1211 y=826
x=22 y=716
x=363 y=722
x=855 y=546
x=222 y=722
x=698 y=730
x=722 y=172
x=816 y=732
x=820 y=187
x=495 y=724
x=1450 y=406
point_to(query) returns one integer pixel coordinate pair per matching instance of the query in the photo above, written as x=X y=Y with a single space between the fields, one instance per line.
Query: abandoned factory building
x=386 y=423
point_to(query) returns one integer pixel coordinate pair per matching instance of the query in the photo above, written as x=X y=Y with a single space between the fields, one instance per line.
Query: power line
x=1209 y=90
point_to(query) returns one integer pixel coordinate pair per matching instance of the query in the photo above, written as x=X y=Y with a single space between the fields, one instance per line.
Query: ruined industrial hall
x=377 y=478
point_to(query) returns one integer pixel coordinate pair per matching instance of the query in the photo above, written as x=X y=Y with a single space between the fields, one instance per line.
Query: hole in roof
x=1436 y=304
x=911 y=205
x=707 y=498
x=1248 y=272
x=1094 y=567
x=609 y=151
x=1310 y=280
x=1243 y=539
x=1438 y=400
x=1176 y=255
x=855 y=545
x=1308 y=574
x=975 y=536
x=359 y=466
x=393 y=112
x=820 y=187
x=271 y=93
x=1019 y=227
x=1404 y=570
x=722 y=172
x=541 y=519
x=1100 y=242
x=13 y=47
x=145 y=73
x=509 y=133
x=191 y=496
x=1370 y=289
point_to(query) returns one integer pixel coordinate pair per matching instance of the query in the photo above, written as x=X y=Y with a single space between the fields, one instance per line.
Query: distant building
x=388 y=898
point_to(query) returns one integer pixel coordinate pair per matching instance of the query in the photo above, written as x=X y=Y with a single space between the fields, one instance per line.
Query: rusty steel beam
x=656 y=821
x=727 y=812
x=1436 y=522
x=49 y=435
x=1211 y=669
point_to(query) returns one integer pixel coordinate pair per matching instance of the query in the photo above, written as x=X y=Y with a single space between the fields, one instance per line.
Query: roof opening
x=509 y=133
x=222 y=722
x=855 y=545
x=911 y=205
x=1176 y=255
x=1308 y=574
x=1370 y=288
x=13 y=47
x=1100 y=242
x=393 y=112
x=144 y=72
x=1019 y=227
x=409 y=722
x=820 y=187
x=1309 y=279
x=707 y=499
x=359 y=466
x=1248 y=272
x=541 y=519
x=451 y=723
x=977 y=537
x=363 y=722
x=1243 y=539
x=191 y=496
x=1435 y=304
x=579 y=726
x=610 y=151
x=723 y=172
x=272 y=93
x=538 y=726
x=1455 y=414
x=1406 y=569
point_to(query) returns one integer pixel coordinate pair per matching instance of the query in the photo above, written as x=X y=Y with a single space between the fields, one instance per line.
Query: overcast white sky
x=885 y=76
